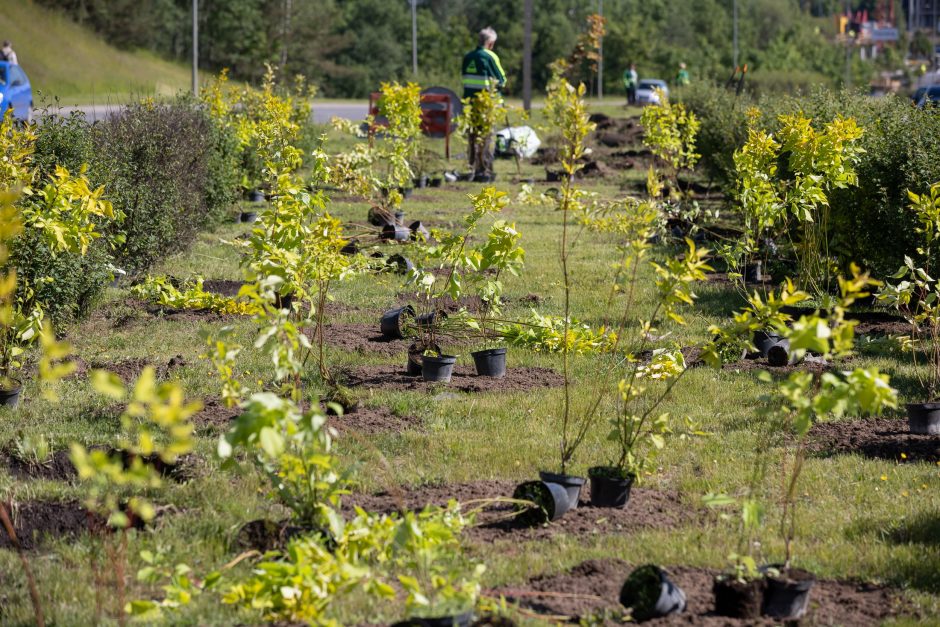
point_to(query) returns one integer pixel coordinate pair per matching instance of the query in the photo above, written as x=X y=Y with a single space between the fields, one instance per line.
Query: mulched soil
x=880 y=323
x=224 y=287
x=752 y=362
x=646 y=509
x=875 y=438
x=364 y=338
x=373 y=421
x=592 y=588
x=35 y=520
x=214 y=417
x=464 y=379
x=57 y=468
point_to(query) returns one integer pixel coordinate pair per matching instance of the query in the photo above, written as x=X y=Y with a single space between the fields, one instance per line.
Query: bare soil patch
x=34 y=521
x=592 y=588
x=875 y=438
x=464 y=379
x=57 y=468
x=364 y=338
x=373 y=421
x=215 y=417
x=129 y=369
x=647 y=509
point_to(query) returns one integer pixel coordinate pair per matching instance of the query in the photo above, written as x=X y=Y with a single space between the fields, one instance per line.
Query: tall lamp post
x=414 y=37
x=735 y=31
x=527 y=57
x=600 y=55
x=196 y=47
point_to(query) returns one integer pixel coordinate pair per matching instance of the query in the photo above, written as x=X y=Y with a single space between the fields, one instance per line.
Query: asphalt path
x=322 y=112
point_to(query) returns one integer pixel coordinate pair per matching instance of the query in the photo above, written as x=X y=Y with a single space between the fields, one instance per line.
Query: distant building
x=923 y=15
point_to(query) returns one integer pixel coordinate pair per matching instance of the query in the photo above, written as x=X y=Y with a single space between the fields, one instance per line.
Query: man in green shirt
x=630 y=79
x=682 y=76
x=481 y=71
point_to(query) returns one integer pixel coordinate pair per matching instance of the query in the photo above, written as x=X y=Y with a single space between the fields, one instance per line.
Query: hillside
x=65 y=60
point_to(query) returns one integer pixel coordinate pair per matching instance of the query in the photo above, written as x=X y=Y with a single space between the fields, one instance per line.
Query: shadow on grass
x=922 y=532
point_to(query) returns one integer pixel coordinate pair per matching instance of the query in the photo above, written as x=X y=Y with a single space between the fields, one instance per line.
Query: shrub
x=158 y=164
x=723 y=128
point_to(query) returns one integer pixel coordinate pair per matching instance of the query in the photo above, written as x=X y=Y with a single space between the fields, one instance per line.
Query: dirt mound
x=364 y=338
x=464 y=379
x=646 y=509
x=223 y=287
x=875 y=438
x=373 y=421
x=129 y=369
x=34 y=521
x=591 y=590
x=214 y=417
x=58 y=467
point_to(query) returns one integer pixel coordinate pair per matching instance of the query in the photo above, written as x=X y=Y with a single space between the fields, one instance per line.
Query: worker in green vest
x=630 y=80
x=682 y=76
x=481 y=71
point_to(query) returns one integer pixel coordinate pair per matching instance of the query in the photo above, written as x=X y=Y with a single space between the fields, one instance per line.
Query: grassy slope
x=68 y=61
x=846 y=513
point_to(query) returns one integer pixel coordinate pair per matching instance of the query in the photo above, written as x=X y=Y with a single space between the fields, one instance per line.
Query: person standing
x=682 y=76
x=630 y=80
x=481 y=71
x=7 y=54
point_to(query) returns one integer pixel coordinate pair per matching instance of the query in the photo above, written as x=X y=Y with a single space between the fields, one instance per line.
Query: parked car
x=15 y=92
x=646 y=91
x=931 y=95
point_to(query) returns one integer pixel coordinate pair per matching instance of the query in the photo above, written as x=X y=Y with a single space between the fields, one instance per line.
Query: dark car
x=931 y=95
x=15 y=92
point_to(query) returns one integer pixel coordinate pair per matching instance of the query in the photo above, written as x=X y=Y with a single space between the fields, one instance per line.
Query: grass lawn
x=860 y=518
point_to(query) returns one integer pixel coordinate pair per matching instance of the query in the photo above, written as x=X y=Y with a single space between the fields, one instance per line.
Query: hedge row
x=872 y=223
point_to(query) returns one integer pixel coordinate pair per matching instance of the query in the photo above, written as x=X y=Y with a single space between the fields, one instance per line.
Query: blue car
x=15 y=92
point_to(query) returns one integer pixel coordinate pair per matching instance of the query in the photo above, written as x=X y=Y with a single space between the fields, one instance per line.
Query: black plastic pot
x=753 y=273
x=394 y=232
x=779 y=354
x=570 y=483
x=405 y=192
x=738 y=599
x=436 y=182
x=248 y=216
x=255 y=196
x=437 y=368
x=400 y=218
x=923 y=418
x=350 y=248
x=608 y=490
x=551 y=502
x=786 y=596
x=416 y=358
x=421 y=182
x=553 y=176
x=392 y=322
x=458 y=620
x=380 y=217
x=399 y=263
x=649 y=594
x=763 y=340
x=284 y=301
x=10 y=397
x=419 y=231
x=490 y=362
x=426 y=320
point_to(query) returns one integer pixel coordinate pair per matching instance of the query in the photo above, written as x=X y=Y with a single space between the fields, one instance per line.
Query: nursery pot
x=490 y=362
x=350 y=248
x=650 y=594
x=392 y=321
x=435 y=182
x=416 y=358
x=400 y=218
x=753 y=272
x=763 y=340
x=10 y=397
x=380 y=217
x=405 y=191
x=553 y=176
x=786 y=596
x=779 y=354
x=255 y=196
x=419 y=231
x=394 y=232
x=570 y=483
x=738 y=599
x=284 y=301
x=437 y=368
x=422 y=181
x=551 y=502
x=924 y=418
x=399 y=263
x=608 y=489
x=248 y=216
x=454 y=620
x=428 y=319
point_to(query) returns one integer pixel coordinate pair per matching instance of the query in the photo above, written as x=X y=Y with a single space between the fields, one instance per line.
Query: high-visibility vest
x=481 y=70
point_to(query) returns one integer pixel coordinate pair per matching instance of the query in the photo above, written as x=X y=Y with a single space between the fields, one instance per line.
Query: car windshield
x=651 y=85
x=933 y=93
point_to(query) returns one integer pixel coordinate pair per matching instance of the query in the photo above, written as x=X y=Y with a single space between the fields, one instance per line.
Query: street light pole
x=196 y=47
x=600 y=55
x=735 y=29
x=527 y=57
x=414 y=37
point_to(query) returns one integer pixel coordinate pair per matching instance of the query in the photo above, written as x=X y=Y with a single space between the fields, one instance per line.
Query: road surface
x=322 y=112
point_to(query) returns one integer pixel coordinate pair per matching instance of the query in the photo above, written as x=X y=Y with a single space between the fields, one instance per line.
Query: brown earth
x=464 y=379
x=373 y=421
x=57 y=468
x=647 y=508
x=35 y=520
x=591 y=590
x=129 y=369
x=876 y=438
x=214 y=417
x=364 y=338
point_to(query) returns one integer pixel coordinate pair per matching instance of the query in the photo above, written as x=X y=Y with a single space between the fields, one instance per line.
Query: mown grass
x=850 y=508
x=67 y=61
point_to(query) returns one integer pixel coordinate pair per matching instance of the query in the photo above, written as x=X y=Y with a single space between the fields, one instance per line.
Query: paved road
x=322 y=112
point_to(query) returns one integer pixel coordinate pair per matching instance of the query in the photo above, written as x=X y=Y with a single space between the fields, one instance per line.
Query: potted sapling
x=501 y=252
x=916 y=295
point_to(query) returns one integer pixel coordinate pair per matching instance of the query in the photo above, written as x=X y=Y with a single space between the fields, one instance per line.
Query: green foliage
x=160 y=290
x=156 y=422
x=544 y=333
x=669 y=131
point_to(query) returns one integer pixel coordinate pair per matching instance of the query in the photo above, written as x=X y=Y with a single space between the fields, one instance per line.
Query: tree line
x=347 y=47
